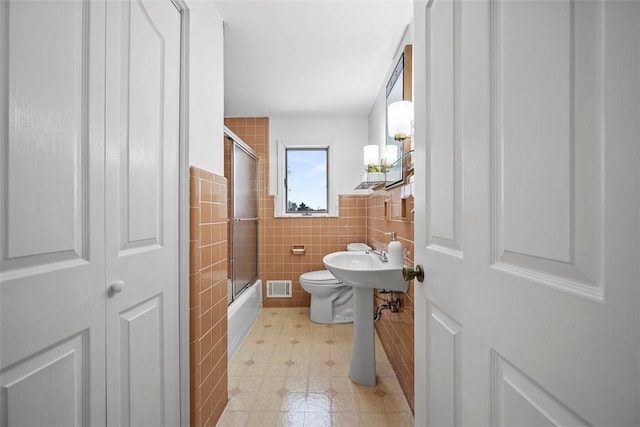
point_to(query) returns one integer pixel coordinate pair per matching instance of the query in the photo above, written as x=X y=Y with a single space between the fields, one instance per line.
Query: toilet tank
x=358 y=247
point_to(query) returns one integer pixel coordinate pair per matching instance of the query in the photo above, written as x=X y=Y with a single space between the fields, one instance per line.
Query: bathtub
x=241 y=314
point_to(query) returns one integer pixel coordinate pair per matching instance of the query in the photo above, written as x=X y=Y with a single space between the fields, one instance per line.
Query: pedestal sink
x=365 y=272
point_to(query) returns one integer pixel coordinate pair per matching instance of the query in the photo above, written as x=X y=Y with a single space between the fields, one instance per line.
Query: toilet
x=331 y=300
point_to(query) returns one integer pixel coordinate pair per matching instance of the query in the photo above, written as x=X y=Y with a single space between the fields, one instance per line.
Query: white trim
x=183 y=216
x=280 y=197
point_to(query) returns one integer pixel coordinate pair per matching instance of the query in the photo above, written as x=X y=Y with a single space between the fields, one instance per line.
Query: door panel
x=543 y=291
x=245 y=170
x=548 y=140
x=143 y=82
x=141 y=349
x=143 y=115
x=245 y=258
x=517 y=400
x=56 y=375
x=533 y=113
x=48 y=81
x=52 y=252
x=444 y=370
x=244 y=227
x=445 y=189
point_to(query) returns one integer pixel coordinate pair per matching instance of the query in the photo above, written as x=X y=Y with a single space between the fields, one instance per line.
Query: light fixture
x=370 y=155
x=400 y=120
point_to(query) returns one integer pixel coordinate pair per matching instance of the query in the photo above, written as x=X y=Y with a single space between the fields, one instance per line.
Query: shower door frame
x=233 y=220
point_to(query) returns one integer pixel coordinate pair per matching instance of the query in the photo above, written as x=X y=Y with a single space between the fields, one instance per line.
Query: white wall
x=345 y=135
x=205 y=147
x=206 y=110
x=206 y=87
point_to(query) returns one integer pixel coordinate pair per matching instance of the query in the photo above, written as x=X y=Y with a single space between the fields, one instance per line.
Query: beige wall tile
x=208 y=355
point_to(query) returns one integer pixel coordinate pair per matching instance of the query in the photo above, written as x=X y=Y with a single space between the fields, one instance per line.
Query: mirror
x=399 y=88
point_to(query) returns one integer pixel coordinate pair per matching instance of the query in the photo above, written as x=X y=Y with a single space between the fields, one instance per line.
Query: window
x=303 y=183
x=306 y=180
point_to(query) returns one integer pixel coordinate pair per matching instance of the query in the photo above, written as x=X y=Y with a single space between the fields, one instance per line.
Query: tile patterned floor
x=292 y=372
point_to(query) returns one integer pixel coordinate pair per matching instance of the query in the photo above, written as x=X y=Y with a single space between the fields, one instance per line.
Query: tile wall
x=386 y=212
x=319 y=236
x=208 y=296
x=362 y=218
x=276 y=237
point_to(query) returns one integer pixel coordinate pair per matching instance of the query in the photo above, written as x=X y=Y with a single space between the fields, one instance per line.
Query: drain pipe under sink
x=393 y=304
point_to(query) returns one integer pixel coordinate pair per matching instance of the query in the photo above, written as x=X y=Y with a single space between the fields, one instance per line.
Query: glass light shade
x=392 y=154
x=370 y=155
x=400 y=119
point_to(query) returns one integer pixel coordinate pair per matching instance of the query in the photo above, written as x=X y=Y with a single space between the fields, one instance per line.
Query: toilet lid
x=358 y=247
x=323 y=277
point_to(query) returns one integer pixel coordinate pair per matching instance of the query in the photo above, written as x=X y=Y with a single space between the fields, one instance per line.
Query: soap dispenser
x=396 y=253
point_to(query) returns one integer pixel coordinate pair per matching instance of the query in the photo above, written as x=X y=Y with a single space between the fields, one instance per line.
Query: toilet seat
x=321 y=278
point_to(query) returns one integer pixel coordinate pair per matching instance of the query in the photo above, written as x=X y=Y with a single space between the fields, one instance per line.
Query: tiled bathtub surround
x=208 y=296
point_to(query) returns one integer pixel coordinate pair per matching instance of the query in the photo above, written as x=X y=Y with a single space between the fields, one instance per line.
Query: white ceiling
x=309 y=57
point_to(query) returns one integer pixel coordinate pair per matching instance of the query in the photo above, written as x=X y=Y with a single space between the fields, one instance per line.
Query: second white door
x=142 y=132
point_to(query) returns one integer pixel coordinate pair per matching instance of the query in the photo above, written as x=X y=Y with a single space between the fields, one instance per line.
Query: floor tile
x=371 y=419
x=317 y=419
x=234 y=419
x=290 y=372
x=345 y=419
x=263 y=419
x=318 y=402
x=294 y=402
x=291 y=419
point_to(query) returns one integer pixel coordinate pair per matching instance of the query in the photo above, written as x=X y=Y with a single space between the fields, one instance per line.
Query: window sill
x=300 y=215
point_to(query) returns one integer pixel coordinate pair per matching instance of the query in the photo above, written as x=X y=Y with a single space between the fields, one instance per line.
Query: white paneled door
x=88 y=194
x=52 y=295
x=527 y=218
x=143 y=89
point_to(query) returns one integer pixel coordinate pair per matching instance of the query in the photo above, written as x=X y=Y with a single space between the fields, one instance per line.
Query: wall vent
x=279 y=289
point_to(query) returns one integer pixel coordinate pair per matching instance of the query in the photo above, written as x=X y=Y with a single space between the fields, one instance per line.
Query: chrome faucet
x=382 y=254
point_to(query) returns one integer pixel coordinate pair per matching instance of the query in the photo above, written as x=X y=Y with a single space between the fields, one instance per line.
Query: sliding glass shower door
x=243 y=219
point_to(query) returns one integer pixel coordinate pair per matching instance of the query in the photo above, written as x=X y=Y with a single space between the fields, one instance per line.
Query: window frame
x=281 y=208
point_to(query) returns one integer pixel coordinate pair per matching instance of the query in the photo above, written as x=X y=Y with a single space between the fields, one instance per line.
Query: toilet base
x=322 y=311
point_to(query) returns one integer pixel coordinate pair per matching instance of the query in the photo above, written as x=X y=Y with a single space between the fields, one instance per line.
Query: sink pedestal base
x=363 y=356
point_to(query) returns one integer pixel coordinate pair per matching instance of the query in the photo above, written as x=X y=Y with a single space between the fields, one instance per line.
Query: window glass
x=306 y=180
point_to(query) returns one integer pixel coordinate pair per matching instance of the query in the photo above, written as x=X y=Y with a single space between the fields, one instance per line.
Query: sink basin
x=365 y=270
